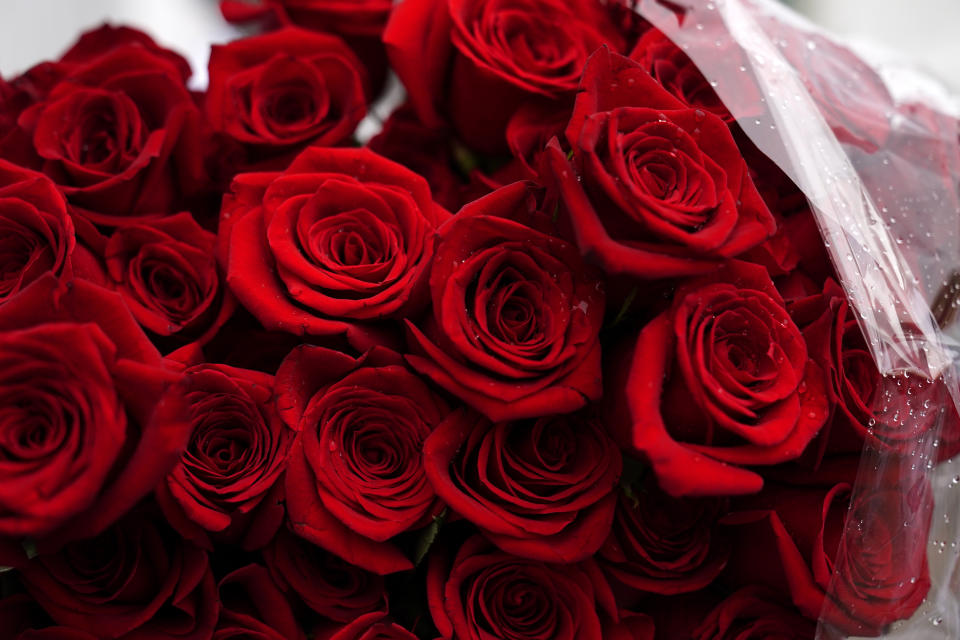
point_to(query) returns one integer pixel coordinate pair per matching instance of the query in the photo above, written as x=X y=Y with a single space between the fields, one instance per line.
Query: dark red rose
x=252 y=607
x=755 y=613
x=676 y=72
x=540 y=489
x=719 y=380
x=665 y=545
x=355 y=478
x=118 y=132
x=371 y=626
x=90 y=419
x=55 y=633
x=36 y=234
x=332 y=587
x=488 y=593
x=135 y=580
x=790 y=539
x=225 y=486
x=655 y=188
x=166 y=271
x=285 y=89
x=472 y=62
x=341 y=237
x=515 y=313
x=891 y=412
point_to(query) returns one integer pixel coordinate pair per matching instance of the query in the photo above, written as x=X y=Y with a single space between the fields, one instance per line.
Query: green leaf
x=626 y=307
x=427 y=537
x=632 y=475
x=556 y=212
x=30 y=547
x=570 y=154
x=5 y=569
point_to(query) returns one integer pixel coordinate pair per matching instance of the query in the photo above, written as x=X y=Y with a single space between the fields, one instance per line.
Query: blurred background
x=924 y=31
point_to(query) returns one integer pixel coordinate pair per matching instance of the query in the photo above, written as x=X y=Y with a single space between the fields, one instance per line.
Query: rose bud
x=225 y=486
x=719 y=381
x=516 y=314
x=487 y=593
x=341 y=238
x=654 y=189
x=540 y=489
x=167 y=272
x=355 y=477
x=137 y=578
x=323 y=581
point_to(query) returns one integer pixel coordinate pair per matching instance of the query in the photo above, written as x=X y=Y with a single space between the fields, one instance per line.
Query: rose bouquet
x=634 y=320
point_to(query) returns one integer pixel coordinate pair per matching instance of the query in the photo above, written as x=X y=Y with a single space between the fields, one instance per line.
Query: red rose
x=166 y=271
x=891 y=412
x=719 y=380
x=676 y=72
x=754 y=613
x=790 y=539
x=372 y=626
x=36 y=234
x=283 y=89
x=355 y=478
x=473 y=62
x=225 y=486
x=487 y=593
x=90 y=418
x=665 y=545
x=327 y=584
x=515 y=313
x=134 y=580
x=656 y=189
x=540 y=489
x=341 y=237
x=253 y=607
x=118 y=133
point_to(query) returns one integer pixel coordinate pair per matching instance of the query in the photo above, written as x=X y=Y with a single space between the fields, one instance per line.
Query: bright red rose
x=473 y=62
x=355 y=478
x=118 y=132
x=790 y=539
x=540 y=489
x=487 y=593
x=166 y=270
x=341 y=238
x=36 y=234
x=655 y=188
x=90 y=418
x=326 y=583
x=719 y=381
x=516 y=314
x=253 y=607
x=666 y=545
x=137 y=579
x=225 y=487
x=285 y=89
x=755 y=613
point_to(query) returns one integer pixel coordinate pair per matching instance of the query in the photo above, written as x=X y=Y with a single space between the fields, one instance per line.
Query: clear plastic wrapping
x=875 y=151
